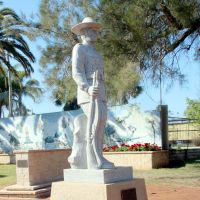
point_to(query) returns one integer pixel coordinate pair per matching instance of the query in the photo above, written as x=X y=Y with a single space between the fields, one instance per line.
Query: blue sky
x=175 y=97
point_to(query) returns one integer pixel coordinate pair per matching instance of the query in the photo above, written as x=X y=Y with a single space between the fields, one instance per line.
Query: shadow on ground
x=2 y=176
x=177 y=164
x=182 y=163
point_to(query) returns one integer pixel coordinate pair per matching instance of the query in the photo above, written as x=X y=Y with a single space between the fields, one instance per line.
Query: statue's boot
x=92 y=159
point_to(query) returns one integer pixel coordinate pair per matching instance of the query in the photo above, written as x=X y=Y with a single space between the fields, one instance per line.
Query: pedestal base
x=126 y=190
x=16 y=192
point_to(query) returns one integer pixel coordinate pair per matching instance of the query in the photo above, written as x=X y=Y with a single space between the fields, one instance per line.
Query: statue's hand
x=93 y=91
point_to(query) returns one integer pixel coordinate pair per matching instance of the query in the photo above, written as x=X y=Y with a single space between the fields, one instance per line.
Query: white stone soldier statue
x=88 y=73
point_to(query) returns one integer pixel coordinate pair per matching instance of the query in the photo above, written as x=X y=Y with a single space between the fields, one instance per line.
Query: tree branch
x=170 y=18
x=194 y=27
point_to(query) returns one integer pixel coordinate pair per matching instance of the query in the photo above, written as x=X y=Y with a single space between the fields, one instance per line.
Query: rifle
x=93 y=159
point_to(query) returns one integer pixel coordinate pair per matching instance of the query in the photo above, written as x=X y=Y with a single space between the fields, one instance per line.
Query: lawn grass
x=7 y=175
x=185 y=175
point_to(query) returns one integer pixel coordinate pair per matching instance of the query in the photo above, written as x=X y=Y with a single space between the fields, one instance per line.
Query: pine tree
x=54 y=25
x=151 y=32
x=141 y=38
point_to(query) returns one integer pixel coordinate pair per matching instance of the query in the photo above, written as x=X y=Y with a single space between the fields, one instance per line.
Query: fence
x=183 y=132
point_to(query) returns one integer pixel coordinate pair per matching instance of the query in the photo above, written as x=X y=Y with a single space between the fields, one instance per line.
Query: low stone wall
x=143 y=160
x=184 y=154
x=36 y=167
x=7 y=158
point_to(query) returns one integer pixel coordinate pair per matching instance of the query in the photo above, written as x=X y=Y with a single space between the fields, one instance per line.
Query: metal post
x=160 y=80
x=164 y=126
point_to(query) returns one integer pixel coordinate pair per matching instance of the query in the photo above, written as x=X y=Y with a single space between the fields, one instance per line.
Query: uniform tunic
x=85 y=61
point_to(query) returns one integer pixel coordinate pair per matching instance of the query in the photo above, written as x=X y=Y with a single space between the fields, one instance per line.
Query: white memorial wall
x=126 y=124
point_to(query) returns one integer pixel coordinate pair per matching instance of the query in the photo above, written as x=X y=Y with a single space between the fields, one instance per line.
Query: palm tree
x=12 y=44
x=21 y=88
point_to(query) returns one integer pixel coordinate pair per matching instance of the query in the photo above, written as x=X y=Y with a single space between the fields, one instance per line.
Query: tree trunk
x=20 y=104
x=0 y=111
x=124 y=99
x=10 y=93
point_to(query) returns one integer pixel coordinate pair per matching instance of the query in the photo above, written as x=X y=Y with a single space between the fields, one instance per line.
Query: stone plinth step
x=25 y=194
x=98 y=175
x=27 y=188
x=13 y=198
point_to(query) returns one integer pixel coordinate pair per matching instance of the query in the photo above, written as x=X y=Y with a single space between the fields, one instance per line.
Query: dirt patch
x=162 y=192
x=157 y=192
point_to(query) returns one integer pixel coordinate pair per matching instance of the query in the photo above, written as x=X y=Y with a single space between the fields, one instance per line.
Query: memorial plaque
x=129 y=194
x=22 y=163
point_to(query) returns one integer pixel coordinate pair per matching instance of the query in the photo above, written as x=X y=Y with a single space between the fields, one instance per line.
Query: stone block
x=98 y=175
x=98 y=191
x=24 y=193
x=35 y=167
x=7 y=158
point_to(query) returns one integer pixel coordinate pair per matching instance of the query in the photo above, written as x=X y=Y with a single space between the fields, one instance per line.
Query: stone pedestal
x=126 y=190
x=36 y=170
x=36 y=167
x=101 y=184
x=16 y=192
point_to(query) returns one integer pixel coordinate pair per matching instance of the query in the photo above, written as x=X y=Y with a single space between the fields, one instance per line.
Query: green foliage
x=71 y=105
x=12 y=44
x=56 y=18
x=55 y=23
x=22 y=86
x=138 y=36
x=151 y=33
x=25 y=86
x=193 y=110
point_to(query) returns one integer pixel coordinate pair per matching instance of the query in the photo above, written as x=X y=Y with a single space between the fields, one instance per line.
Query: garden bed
x=7 y=158
x=140 y=160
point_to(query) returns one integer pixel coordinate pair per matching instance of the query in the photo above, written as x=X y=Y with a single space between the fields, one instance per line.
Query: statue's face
x=89 y=35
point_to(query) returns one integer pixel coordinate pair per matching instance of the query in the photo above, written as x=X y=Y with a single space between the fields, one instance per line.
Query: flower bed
x=139 y=156
x=134 y=147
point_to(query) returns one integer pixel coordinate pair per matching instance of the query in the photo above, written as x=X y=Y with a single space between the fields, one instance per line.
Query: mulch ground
x=161 y=192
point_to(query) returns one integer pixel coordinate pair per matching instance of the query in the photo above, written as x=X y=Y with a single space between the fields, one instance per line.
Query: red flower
x=114 y=147
x=133 y=147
